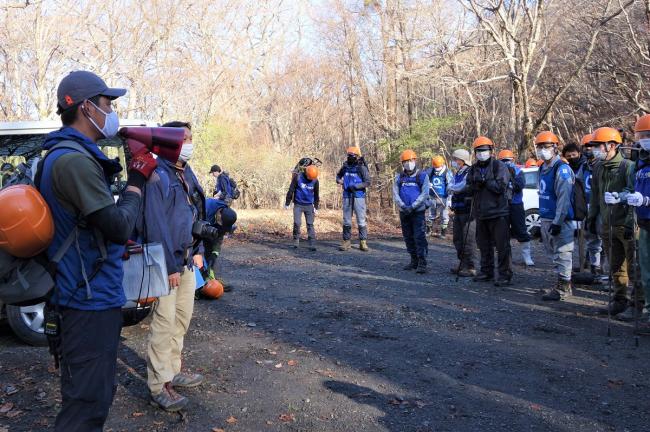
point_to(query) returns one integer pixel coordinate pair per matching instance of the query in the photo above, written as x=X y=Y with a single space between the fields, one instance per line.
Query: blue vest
x=351 y=177
x=585 y=173
x=304 y=194
x=642 y=185
x=410 y=188
x=517 y=198
x=458 y=199
x=547 y=196
x=106 y=286
x=439 y=184
x=212 y=206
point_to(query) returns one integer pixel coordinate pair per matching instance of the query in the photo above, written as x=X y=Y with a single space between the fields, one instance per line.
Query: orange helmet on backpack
x=311 y=172
x=212 y=289
x=26 y=225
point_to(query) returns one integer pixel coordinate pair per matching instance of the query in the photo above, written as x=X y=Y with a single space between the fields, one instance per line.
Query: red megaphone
x=166 y=142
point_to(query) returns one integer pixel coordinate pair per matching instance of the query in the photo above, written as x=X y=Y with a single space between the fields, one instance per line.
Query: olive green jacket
x=615 y=175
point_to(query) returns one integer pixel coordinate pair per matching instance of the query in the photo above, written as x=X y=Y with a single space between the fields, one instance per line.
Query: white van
x=531 y=200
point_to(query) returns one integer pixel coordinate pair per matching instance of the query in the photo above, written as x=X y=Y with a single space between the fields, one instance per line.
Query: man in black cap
x=90 y=233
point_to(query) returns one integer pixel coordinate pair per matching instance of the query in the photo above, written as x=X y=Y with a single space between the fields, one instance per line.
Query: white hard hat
x=463 y=155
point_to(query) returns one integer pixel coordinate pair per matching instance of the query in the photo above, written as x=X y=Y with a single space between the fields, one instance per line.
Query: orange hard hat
x=26 y=225
x=407 y=155
x=586 y=139
x=482 y=141
x=642 y=124
x=354 y=150
x=437 y=161
x=530 y=163
x=311 y=172
x=606 y=134
x=212 y=289
x=546 y=137
x=505 y=154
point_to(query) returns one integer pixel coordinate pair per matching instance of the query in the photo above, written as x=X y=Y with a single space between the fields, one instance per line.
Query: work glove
x=143 y=164
x=554 y=229
x=286 y=207
x=612 y=198
x=628 y=234
x=636 y=199
x=592 y=226
x=315 y=211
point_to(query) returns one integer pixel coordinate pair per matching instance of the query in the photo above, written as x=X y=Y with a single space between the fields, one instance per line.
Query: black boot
x=422 y=266
x=443 y=232
x=413 y=264
x=562 y=290
x=615 y=307
x=483 y=277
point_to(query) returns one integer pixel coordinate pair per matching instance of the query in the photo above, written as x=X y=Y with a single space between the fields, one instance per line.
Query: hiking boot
x=187 y=380
x=363 y=245
x=596 y=270
x=483 y=277
x=503 y=281
x=630 y=314
x=614 y=307
x=643 y=328
x=443 y=232
x=422 y=266
x=296 y=243
x=562 y=290
x=345 y=245
x=526 y=254
x=312 y=245
x=168 y=399
x=413 y=264
x=467 y=273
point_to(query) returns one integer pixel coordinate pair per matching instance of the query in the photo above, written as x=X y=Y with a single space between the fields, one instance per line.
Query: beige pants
x=171 y=319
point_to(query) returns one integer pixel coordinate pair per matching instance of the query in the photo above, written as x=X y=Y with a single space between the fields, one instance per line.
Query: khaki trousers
x=171 y=319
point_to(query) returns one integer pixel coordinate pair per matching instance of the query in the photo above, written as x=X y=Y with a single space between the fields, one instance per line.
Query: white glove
x=635 y=199
x=315 y=212
x=286 y=207
x=612 y=198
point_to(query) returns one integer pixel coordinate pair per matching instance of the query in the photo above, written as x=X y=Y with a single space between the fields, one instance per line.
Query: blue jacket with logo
x=411 y=191
x=354 y=177
x=440 y=182
x=303 y=191
x=556 y=191
x=105 y=287
x=585 y=173
x=642 y=185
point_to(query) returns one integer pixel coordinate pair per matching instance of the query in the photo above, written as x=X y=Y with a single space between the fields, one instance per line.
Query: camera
x=204 y=230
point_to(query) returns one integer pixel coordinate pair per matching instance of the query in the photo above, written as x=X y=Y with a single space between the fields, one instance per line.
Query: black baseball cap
x=215 y=168
x=81 y=85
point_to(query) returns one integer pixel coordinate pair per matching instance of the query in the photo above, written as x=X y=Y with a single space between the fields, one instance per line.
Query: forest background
x=265 y=82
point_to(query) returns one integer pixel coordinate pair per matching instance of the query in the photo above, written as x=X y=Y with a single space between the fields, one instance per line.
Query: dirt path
x=331 y=341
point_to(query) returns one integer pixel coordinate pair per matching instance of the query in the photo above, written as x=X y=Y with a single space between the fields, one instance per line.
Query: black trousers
x=518 y=223
x=89 y=341
x=414 y=232
x=491 y=233
x=465 y=247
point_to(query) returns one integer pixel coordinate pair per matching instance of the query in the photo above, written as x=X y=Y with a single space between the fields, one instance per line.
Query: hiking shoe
x=614 y=307
x=422 y=266
x=168 y=399
x=312 y=245
x=552 y=295
x=345 y=245
x=630 y=314
x=187 y=380
x=296 y=243
x=467 y=273
x=643 y=328
x=363 y=246
x=596 y=270
x=443 y=233
x=483 y=277
x=503 y=281
x=565 y=287
x=412 y=265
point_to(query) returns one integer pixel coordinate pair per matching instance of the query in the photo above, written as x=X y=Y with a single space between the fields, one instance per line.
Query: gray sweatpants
x=358 y=206
x=439 y=211
x=298 y=211
x=560 y=247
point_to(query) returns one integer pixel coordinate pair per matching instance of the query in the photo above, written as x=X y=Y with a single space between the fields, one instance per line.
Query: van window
x=531 y=179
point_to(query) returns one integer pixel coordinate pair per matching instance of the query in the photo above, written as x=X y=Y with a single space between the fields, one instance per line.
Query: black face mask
x=574 y=162
x=352 y=160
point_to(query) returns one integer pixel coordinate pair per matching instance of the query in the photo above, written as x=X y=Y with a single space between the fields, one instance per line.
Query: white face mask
x=545 y=154
x=409 y=165
x=645 y=144
x=186 y=152
x=111 y=123
x=598 y=154
x=439 y=170
x=483 y=155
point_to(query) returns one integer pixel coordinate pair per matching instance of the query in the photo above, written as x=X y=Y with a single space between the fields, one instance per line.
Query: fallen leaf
x=269 y=422
x=287 y=418
x=278 y=366
x=217 y=430
x=137 y=414
x=5 y=408
x=14 y=413
x=535 y=407
x=292 y=363
x=231 y=420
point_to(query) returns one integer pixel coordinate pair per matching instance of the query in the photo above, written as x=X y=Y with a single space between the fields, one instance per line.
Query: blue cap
x=81 y=85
